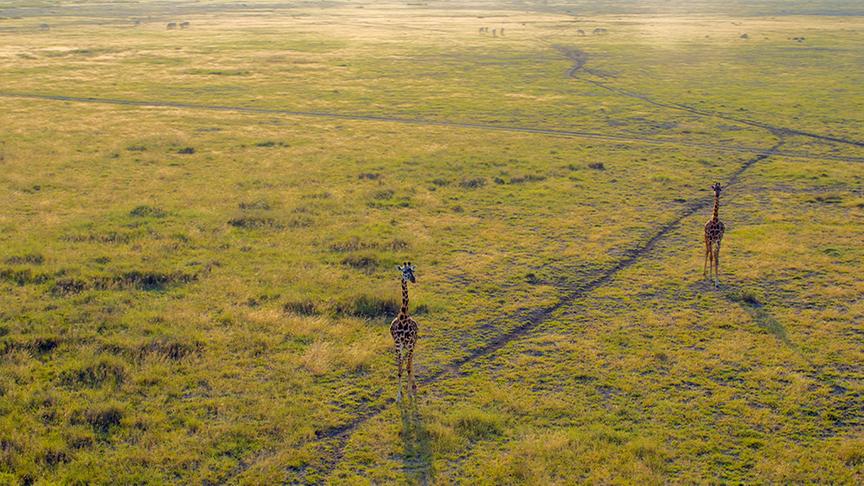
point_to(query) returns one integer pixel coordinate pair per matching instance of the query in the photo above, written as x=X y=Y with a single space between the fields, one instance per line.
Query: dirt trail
x=580 y=58
x=439 y=123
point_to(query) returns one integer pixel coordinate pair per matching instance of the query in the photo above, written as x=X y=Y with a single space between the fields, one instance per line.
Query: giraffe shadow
x=752 y=304
x=417 y=444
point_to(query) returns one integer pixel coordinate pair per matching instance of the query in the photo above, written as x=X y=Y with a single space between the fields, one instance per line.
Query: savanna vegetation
x=201 y=224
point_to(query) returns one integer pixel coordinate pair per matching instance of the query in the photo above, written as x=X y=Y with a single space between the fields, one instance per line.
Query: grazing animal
x=404 y=331
x=171 y=25
x=714 y=229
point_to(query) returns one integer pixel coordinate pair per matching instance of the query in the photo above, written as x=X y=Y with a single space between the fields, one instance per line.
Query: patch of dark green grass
x=476 y=424
x=68 y=286
x=474 y=183
x=139 y=280
x=23 y=276
x=383 y=195
x=36 y=345
x=111 y=237
x=254 y=222
x=27 y=259
x=270 y=143
x=744 y=296
x=364 y=263
x=100 y=417
x=301 y=308
x=369 y=307
x=826 y=199
x=356 y=244
x=78 y=438
x=257 y=204
x=299 y=222
x=132 y=280
x=527 y=178
x=104 y=371
x=147 y=212
x=172 y=349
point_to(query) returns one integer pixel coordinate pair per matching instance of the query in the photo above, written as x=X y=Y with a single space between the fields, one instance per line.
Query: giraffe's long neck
x=403 y=311
x=716 y=215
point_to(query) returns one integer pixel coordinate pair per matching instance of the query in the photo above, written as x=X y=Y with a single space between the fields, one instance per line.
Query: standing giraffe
x=404 y=331
x=714 y=229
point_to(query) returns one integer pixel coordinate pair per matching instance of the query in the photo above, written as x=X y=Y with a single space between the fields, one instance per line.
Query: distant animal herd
x=499 y=31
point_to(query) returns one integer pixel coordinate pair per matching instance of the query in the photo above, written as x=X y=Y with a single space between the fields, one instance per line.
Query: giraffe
x=404 y=331
x=714 y=229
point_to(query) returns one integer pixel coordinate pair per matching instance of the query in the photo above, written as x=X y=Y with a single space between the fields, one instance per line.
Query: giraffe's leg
x=399 y=366
x=707 y=256
x=717 y=265
x=410 y=365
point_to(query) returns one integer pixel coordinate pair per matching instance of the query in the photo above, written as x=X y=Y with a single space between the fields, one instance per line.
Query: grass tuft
x=147 y=212
x=28 y=259
x=473 y=183
x=169 y=348
x=101 y=417
x=104 y=371
x=475 y=424
x=369 y=307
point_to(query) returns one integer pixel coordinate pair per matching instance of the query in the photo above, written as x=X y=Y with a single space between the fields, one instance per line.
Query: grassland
x=201 y=226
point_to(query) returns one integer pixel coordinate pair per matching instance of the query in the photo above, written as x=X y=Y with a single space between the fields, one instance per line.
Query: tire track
x=341 y=434
x=580 y=58
x=438 y=123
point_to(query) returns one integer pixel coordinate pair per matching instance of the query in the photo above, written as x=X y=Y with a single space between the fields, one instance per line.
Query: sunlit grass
x=195 y=295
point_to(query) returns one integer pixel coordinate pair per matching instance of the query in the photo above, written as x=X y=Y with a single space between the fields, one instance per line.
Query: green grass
x=191 y=295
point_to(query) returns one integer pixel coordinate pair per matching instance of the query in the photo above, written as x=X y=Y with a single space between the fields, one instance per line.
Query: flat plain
x=201 y=224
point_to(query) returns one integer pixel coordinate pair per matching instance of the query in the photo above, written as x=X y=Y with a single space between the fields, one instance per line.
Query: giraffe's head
x=407 y=272
x=717 y=188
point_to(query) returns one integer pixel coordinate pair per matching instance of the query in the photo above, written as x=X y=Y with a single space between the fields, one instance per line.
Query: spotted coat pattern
x=404 y=332
x=714 y=230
